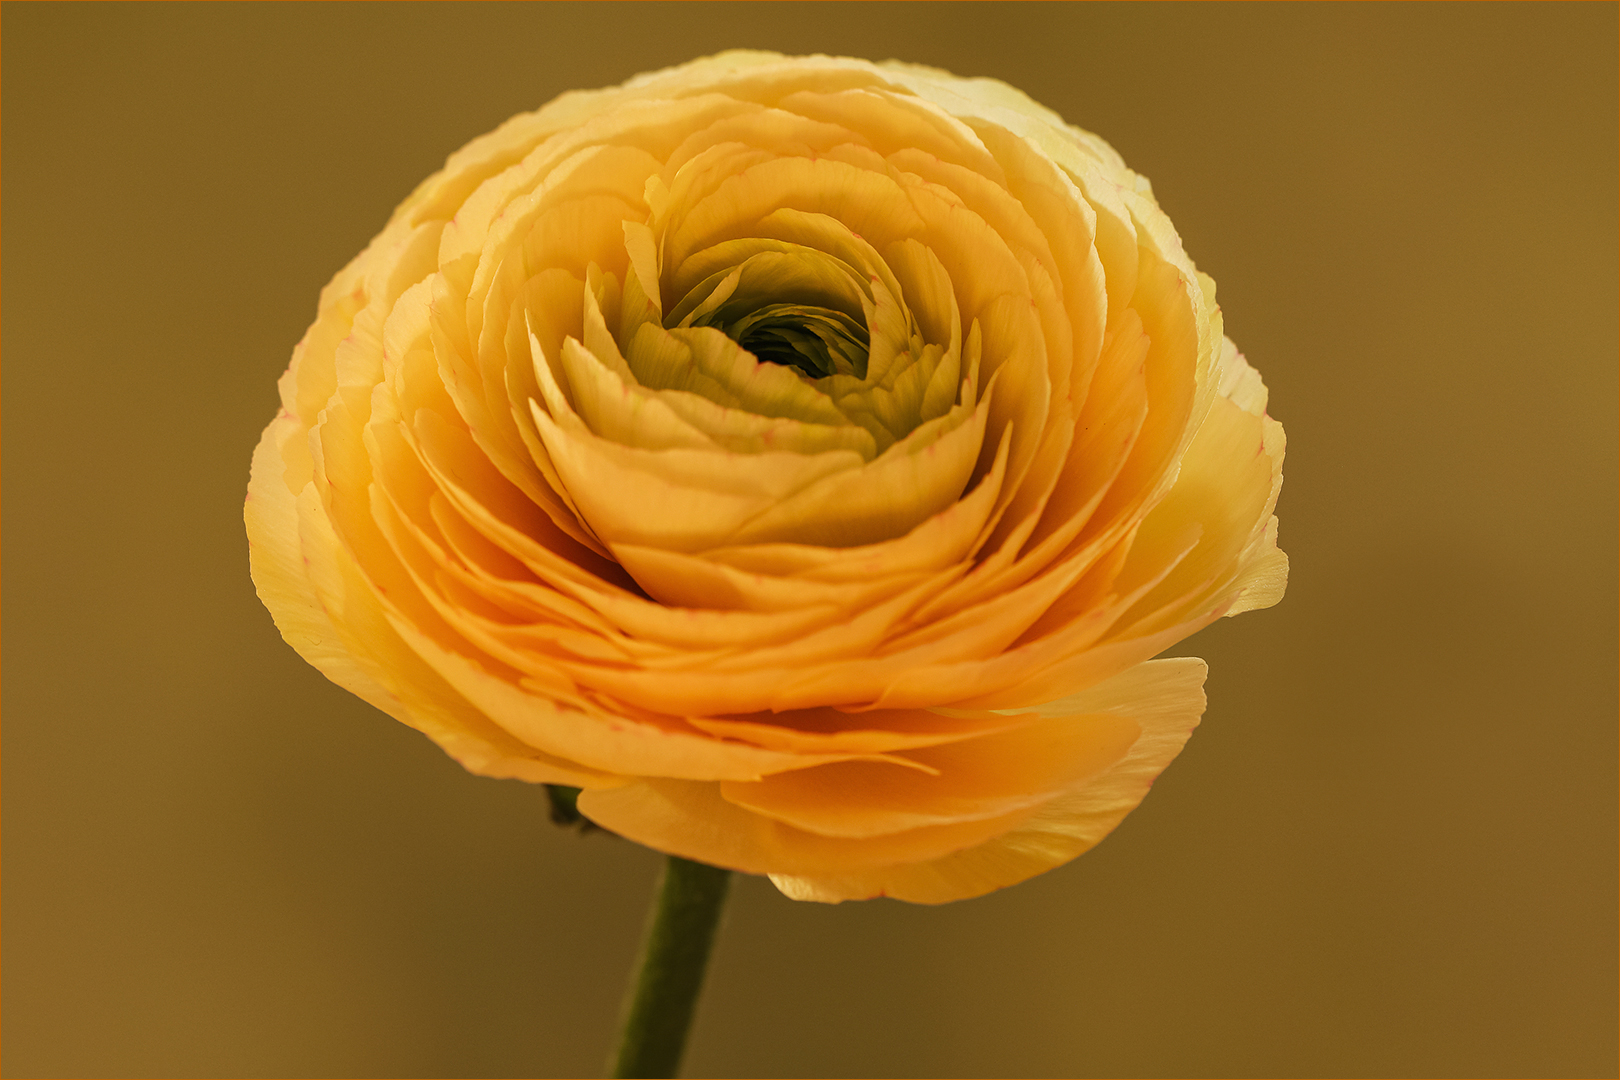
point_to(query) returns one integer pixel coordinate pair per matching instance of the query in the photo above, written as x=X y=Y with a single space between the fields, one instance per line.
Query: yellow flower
x=802 y=456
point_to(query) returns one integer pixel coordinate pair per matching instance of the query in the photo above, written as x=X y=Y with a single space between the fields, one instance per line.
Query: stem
x=673 y=957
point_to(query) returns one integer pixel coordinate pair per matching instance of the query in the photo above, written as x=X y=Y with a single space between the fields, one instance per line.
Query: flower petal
x=1163 y=697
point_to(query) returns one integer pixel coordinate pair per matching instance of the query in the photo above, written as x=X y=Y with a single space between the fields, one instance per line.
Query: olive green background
x=1390 y=849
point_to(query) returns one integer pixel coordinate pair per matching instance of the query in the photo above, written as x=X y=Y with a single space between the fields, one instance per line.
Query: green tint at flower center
x=806 y=342
x=818 y=341
x=788 y=304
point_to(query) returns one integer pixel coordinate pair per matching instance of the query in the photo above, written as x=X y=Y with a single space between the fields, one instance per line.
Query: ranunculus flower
x=802 y=456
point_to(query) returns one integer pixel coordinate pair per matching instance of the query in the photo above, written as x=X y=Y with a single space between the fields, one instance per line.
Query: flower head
x=802 y=456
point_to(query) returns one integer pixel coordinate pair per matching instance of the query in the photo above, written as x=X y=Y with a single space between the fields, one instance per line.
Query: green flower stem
x=673 y=958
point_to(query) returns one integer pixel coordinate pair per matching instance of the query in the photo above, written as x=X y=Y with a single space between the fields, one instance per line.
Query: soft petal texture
x=802 y=456
x=1165 y=699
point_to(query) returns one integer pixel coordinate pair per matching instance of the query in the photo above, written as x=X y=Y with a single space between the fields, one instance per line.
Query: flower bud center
x=818 y=341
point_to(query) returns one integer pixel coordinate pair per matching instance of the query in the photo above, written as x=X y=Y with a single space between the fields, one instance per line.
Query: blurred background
x=1390 y=849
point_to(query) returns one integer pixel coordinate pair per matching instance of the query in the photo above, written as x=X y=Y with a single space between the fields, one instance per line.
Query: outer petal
x=1164 y=697
x=692 y=820
x=985 y=777
x=356 y=657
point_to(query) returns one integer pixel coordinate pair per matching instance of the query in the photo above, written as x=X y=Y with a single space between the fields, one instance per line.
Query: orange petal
x=1164 y=697
x=985 y=777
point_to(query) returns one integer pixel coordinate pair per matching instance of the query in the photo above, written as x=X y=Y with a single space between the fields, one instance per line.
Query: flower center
x=817 y=341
